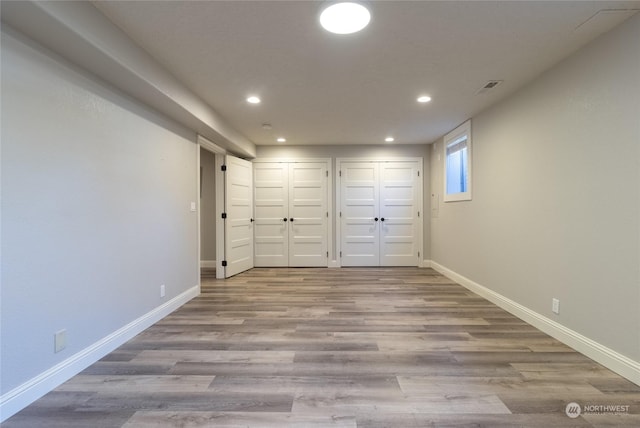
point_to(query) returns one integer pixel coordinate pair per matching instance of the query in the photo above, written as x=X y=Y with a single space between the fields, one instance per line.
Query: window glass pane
x=457 y=164
x=457 y=171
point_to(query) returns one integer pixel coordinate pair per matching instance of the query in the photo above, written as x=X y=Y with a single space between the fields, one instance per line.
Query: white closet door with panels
x=291 y=214
x=380 y=204
x=308 y=214
x=271 y=210
x=399 y=214
x=238 y=210
x=359 y=219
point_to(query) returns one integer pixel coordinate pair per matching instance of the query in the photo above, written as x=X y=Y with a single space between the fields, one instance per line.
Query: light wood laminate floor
x=385 y=347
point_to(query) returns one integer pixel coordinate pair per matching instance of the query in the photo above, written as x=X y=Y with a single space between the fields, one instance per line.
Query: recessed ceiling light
x=281 y=140
x=345 y=18
x=253 y=100
x=389 y=139
x=424 y=99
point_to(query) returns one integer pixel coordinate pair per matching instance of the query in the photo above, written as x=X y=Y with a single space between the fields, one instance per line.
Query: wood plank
x=155 y=419
x=125 y=383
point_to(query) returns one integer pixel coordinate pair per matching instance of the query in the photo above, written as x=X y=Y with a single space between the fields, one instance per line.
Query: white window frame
x=452 y=137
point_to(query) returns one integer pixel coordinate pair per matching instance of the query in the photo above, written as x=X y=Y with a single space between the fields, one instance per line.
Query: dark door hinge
x=224 y=263
x=223 y=168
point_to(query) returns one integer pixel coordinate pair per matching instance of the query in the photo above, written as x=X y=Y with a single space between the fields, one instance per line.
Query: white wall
x=387 y=151
x=96 y=193
x=556 y=196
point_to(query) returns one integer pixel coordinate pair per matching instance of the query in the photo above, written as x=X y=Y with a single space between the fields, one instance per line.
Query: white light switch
x=193 y=206
x=59 y=340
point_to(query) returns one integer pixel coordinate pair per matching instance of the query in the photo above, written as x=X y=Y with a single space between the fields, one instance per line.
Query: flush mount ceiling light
x=253 y=100
x=389 y=139
x=345 y=18
x=281 y=140
x=424 y=99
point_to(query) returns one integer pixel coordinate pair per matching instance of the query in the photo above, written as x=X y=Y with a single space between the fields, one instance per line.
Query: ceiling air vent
x=489 y=85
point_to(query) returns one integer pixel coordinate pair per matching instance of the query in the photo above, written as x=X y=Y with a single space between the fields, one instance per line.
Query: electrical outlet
x=555 y=306
x=162 y=292
x=59 y=340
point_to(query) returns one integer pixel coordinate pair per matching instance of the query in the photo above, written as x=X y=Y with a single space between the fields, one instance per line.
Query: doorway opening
x=207 y=213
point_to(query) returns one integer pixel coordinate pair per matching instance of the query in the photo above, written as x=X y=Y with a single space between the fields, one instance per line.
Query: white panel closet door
x=239 y=210
x=398 y=214
x=291 y=224
x=308 y=214
x=271 y=214
x=359 y=196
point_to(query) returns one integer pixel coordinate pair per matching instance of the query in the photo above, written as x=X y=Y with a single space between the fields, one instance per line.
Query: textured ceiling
x=321 y=88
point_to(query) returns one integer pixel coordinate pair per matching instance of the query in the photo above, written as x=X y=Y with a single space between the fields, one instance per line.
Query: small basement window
x=457 y=164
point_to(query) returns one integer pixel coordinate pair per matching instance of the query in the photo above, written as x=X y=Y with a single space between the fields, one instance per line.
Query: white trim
x=18 y=398
x=382 y=159
x=198 y=204
x=426 y=263
x=609 y=358
x=331 y=211
x=219 y=154
x=207 y=263
x=220 y=208
x=291 y=160
x=209 y=145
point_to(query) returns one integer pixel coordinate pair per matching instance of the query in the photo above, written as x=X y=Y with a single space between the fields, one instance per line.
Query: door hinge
x=340 y=254
x=418 y=213
x=327 y=214
x=327 y=254
x=224 y=263
x=418 y=254
x=418 y=173
x=224 y=215
x=340 y=213
x=326 y=173
x=339 y=173
x=223 y=168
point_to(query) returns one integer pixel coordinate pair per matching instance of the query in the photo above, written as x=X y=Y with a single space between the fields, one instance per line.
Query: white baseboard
x=336 y=264
x=609 y=358
x=208 y=264
x=20 y=397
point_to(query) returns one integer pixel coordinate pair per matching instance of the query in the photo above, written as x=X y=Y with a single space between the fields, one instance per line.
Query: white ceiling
x=321 y=88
